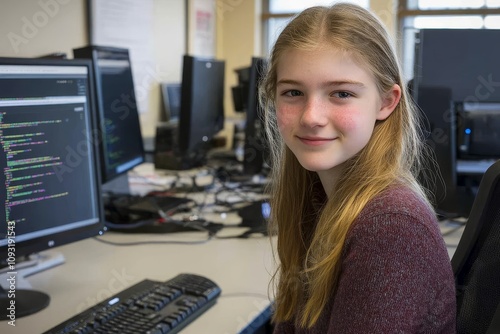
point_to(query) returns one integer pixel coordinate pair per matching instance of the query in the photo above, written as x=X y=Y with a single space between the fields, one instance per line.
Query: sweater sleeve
x=396 y=278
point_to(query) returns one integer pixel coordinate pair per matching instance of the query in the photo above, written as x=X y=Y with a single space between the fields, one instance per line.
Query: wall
x=238 y=39
x=31 y=28
x=169 y=42
x=386 y=10
x=35 y=28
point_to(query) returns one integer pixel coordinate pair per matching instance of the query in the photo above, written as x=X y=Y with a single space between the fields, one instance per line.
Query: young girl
x=359 y=247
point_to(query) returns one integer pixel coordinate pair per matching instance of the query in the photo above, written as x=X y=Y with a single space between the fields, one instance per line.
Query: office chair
x=476 y=261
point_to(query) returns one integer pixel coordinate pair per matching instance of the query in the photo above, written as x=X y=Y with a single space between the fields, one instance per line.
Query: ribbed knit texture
x=396 y=275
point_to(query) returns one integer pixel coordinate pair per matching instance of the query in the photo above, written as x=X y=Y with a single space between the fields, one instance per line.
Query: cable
x=154 y=242
x=244 y=294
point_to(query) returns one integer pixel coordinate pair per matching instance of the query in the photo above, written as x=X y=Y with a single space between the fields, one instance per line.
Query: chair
x=476 y=261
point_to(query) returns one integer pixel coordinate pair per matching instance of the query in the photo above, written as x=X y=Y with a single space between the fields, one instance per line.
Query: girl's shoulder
x=398 y=200
x=398 y=210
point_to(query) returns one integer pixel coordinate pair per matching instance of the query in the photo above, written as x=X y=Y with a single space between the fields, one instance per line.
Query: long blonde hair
x=312 y=229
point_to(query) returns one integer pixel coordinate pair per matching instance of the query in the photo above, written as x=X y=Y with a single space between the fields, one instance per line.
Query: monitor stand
x=17 y=299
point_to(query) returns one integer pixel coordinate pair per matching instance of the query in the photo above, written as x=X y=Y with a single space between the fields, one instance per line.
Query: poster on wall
x=202 y=28
x=127 y=24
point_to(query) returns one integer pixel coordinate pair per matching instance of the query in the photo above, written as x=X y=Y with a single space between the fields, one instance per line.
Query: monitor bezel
x=38 y=244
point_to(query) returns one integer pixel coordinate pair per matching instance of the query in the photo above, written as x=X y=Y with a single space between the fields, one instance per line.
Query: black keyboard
x=148 y=307
x=145 y=204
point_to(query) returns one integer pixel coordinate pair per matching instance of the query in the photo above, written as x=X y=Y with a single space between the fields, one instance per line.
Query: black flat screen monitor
x=49 y=168
x=122 y=146
x=186 y=144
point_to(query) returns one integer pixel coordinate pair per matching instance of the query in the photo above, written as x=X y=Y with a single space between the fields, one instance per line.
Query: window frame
x=404 y=12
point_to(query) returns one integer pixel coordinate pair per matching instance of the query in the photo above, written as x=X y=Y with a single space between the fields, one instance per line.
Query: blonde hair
x=311 y=228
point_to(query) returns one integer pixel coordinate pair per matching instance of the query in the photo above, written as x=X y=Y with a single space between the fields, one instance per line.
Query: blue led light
x=468 y=131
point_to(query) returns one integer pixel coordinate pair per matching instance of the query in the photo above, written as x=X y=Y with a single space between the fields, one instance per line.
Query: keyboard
x=145 y=204
x=149 y=307
x=120 y=209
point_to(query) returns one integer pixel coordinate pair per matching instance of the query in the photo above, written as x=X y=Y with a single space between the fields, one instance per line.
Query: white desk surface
x=94 y=271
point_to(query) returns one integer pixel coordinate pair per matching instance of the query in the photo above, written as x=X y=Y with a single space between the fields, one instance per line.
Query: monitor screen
x=48 y=161
x=202 y=102
x=122 y=146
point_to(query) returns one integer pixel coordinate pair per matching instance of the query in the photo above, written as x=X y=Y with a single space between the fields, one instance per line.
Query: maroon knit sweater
x=396 y=275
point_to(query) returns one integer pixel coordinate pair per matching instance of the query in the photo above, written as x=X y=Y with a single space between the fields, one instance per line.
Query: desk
x=94 y=271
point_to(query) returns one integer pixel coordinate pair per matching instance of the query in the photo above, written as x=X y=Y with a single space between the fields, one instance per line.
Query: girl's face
x=327 y=106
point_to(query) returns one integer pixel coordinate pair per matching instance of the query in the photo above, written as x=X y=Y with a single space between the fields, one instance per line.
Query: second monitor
x=184 y=144
x=121 y=144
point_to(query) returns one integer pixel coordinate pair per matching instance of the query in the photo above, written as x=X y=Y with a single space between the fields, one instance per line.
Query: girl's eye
x=292 y=93
x=342 y=95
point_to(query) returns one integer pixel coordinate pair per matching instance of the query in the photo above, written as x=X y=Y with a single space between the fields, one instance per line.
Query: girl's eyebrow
x=326 y=84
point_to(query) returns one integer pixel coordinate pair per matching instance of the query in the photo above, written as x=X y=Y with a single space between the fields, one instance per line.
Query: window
x=412 y=15
x=277 y=13
x=449 y=14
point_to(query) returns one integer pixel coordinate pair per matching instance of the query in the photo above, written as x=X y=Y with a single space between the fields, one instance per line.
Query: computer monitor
x=240 y=91
x=186 y=145
x=122 y=145
x=256 y=152
x=50 y=170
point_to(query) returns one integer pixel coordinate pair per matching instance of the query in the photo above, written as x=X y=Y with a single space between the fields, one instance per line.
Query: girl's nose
x=314 y=113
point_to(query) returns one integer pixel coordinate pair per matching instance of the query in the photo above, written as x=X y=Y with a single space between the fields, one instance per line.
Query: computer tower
x=478 y=130
x=451 y=197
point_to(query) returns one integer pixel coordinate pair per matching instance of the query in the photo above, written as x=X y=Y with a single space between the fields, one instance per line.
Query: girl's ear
x=389 y=102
